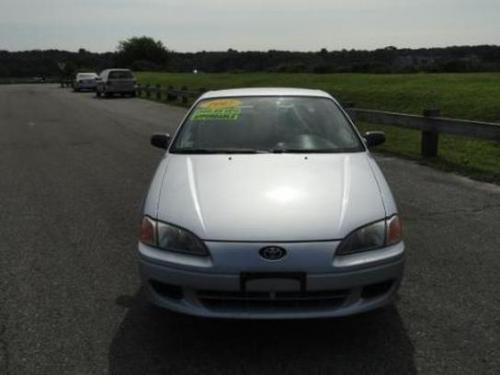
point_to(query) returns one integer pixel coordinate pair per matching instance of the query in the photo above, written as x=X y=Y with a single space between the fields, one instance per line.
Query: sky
x=299 y=25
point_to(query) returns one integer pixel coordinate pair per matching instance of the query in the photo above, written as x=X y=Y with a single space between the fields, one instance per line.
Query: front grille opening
x=269 y=301
x=376 y=290
x=167 y=290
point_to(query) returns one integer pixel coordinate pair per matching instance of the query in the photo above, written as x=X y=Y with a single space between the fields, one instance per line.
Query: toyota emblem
x=272 y=253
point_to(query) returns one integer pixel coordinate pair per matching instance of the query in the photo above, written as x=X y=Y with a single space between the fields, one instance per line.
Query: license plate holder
x=246 y=277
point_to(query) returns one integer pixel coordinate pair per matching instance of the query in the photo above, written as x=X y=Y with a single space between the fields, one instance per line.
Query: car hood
x=269 y=197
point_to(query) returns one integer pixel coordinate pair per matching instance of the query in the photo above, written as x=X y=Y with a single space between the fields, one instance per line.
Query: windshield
x=86 y=75
x=267 y=124
x=120 y=74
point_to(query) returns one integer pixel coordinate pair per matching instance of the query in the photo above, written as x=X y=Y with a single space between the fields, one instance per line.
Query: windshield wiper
x=303 y=151
x=219 y=151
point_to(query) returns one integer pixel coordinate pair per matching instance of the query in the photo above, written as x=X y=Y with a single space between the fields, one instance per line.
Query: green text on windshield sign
x=217 y=114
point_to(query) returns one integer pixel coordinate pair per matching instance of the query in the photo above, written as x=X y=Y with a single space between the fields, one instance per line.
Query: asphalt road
x=73 y=172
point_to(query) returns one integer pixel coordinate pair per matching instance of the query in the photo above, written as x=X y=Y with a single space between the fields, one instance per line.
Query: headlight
x=372 y=236
x=170 y=237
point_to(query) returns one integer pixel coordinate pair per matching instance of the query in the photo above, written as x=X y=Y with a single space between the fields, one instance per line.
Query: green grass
x=473 y=96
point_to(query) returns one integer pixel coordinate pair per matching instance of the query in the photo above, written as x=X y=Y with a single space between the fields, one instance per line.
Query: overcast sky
x=195 y=25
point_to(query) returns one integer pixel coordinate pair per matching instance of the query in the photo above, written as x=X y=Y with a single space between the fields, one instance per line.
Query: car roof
x=118 y=69
x=106 y=71
x=264 y=91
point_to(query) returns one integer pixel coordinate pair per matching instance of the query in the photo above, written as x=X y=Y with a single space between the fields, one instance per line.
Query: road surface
x=73 y=172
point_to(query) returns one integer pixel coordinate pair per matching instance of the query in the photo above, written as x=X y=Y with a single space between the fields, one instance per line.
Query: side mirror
x=160 y=140
x=374 y=138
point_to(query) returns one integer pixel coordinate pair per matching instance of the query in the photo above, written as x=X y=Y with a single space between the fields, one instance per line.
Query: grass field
x=468 y=96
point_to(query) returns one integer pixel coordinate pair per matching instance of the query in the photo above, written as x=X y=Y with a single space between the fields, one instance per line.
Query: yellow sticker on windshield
x=221 y=103
x=204 y=114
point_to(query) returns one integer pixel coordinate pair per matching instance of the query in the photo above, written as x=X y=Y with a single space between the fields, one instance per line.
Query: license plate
x=273 y=281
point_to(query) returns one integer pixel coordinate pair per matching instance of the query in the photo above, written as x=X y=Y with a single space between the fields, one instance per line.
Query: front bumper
x=205 y=287
x=119 y=89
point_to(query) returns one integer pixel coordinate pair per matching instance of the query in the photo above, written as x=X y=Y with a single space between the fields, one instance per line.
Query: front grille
x=271 y=301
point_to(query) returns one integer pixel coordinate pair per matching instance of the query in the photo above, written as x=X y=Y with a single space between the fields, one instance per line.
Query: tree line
x=147 y=54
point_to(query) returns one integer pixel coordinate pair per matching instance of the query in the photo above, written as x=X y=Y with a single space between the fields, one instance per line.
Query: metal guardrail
x=169 y=93
x=430 y=123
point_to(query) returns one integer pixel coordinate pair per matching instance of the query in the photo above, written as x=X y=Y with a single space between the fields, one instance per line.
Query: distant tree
x=147 y=54
x=4 y=71
x=144 y=65
x=69 y=69
x=146 y=50
x=323 y=69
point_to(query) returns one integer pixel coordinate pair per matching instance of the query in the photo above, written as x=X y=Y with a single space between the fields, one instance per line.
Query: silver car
x=85 y=81
x=268 y=204
x=116 y=81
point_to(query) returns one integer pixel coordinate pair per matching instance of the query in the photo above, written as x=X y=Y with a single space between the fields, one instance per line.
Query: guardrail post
x=184 y=95
x=158 y=91
x=430 y=138
x=170 y=96
x=148 y=91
